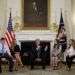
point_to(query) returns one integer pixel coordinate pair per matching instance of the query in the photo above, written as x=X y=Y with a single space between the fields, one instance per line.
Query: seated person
x=37 y=54
x=17 y=56
x=70 y=54
x=5 y=52
x=55 y=57
x=15 y=51
x=45 y=55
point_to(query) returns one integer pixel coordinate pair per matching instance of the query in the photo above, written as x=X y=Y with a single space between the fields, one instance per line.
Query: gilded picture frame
x=29 y=26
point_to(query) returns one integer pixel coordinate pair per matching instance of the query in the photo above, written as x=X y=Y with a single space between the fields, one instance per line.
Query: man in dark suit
x=36 y=53
x=39 y=54
x=45 y=55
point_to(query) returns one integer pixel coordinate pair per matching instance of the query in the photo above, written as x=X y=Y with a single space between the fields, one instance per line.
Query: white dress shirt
x=5 y=48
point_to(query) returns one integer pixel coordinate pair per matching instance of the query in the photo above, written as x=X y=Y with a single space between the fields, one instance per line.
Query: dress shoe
x=10 y=70
x=0 y=71
x=43 y=67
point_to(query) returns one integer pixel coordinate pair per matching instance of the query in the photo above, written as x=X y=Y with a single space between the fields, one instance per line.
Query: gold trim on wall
x=19 y=24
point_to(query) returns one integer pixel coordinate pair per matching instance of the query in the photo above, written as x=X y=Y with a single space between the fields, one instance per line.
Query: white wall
x=3 y=16
x=56 y=7
x=73 y=18
x=55 y=10
x=15 y=6
x=2 y=12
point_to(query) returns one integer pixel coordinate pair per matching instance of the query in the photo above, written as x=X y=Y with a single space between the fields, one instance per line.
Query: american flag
x=61 y=25
x=9 y=35
x=62 y=34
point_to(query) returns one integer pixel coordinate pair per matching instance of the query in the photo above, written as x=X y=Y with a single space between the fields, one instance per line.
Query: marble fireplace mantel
x=31 y=35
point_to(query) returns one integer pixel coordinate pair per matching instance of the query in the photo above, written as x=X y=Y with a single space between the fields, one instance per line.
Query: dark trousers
x=33 y=61
x=63 y=47
x=9 y=58
x=69 y=60
x=43 y=64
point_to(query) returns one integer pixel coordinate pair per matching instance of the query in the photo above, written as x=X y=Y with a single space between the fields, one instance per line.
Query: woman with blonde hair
x=17 y=55
x=15 y=51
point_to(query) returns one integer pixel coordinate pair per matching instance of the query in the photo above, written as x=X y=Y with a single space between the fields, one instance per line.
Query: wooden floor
x=39 y=71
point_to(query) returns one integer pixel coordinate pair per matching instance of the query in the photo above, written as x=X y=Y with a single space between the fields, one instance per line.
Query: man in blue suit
x=5 y=53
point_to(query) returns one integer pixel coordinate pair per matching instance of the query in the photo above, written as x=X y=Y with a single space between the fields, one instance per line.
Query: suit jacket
x=36 y=52
x=43 y=53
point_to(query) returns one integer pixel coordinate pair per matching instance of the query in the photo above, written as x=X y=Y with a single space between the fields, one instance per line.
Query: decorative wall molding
x=34 y=34
x=31 y=35
x=54 y=13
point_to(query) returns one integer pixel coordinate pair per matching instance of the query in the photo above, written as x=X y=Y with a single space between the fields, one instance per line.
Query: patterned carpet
x=39 y=71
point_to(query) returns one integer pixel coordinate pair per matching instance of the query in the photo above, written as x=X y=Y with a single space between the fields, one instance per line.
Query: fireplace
x=26 y=47
x=27 y=37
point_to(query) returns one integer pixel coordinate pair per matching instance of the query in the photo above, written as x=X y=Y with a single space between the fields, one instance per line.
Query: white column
x=15 y=5
x=68 y=18
x=73 y=18
x=2 y=17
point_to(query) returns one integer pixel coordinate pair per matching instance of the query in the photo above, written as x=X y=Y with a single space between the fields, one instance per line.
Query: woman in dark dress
x=17 y=55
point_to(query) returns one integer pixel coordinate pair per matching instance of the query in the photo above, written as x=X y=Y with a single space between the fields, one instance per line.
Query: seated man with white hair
x=5 y=53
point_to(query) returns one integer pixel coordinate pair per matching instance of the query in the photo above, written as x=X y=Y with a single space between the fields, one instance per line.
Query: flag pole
x=10 y=9
x=61 y=10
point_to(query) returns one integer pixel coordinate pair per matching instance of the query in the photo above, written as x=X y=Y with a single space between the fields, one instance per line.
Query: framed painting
x=35 y=14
